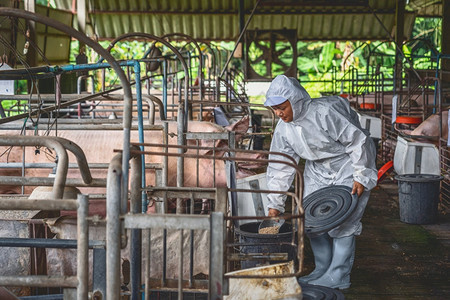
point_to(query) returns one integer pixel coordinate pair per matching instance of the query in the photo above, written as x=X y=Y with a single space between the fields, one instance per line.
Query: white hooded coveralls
x=326 y=133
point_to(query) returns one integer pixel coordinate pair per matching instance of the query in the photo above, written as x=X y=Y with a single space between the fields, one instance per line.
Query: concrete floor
x=395 y=260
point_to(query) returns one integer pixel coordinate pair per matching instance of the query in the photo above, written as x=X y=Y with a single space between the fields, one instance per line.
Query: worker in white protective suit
x=326 y=133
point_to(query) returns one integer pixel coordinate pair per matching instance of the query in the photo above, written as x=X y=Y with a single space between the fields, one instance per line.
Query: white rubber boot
x=338 y=274
x=322 y=247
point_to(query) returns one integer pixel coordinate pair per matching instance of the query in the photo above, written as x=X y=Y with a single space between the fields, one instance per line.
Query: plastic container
x=264 y=287
x=252 y=204
x=410 y=120
x=416 y=158
x=418 y=198
x=372 y=124
x=369 y=106
x=248 y=233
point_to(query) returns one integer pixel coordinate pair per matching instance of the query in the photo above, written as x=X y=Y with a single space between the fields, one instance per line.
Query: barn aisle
x=395 y=260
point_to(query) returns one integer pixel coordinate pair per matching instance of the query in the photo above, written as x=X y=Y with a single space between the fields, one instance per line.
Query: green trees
x=321 y=65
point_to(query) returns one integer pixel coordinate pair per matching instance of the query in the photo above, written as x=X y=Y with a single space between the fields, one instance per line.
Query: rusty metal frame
x=298 y=185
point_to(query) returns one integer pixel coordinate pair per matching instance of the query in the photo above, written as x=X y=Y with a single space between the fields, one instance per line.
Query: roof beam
x=301 y=3
x=310 y=11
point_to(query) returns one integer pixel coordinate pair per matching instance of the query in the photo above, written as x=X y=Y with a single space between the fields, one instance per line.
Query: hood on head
x=285 y=88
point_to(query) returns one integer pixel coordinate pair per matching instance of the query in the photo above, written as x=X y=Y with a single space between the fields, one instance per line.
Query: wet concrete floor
x=395 y=260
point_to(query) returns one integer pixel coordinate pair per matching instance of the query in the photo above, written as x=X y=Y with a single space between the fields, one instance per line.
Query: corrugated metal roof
x=219 y=19
x=427 y=8
x=430 y=10
x=208 y=27
x=421 y=4
x=434 y=7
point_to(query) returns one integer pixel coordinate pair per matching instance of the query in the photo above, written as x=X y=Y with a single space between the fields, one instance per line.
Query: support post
x=399 y=38
x=113 y=228
x=216 y=269
x=29 y=47
x=82 y=247
x=445 y=62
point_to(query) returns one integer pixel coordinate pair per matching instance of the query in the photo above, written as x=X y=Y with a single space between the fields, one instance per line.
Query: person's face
x=284 y=111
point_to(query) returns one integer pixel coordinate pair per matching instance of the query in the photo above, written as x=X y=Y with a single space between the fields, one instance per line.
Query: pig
x=430 y=127
x=99 y=145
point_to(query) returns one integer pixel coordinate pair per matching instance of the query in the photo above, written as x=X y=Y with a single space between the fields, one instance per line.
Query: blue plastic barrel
x=418 y=196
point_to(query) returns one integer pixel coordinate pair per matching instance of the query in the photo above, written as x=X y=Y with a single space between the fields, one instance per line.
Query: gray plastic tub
x=418 y=196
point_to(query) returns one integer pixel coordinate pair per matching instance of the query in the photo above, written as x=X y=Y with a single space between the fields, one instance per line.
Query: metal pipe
x=31 y=70
x=216 y=262
x=239 y=38
x=164 y=183
x=398 y=47
x=47 y=181
x=16 y=165
x=224 y=149
x=182 y=128
x=40 y=281
x=167 y=44
x=79 y=83
x=237 y=104
x=162 y=111
x=174 y=192
x=137 y=74
x=12 y=12
x=147 y=264
x=79 y=155
x=197 y=166
x=175 y=84
x=85 y=127
x=101 y=96
x=82 y=247
x=164 y=67
x=187 y=74
x=103 y=80
x=167 y=221
x=190 y=92
x=151 y=113
x=54 y=107
x=293 y=164
x=30 y=204
x=113 y=228
x=164 y=259
x=180 y=267
x=50 y=142
x=180 y=169
x=46 y=243
x=62 y=121
x=191 y=247
x=165 y=169
x=181 y=141
x=213 y=60
x=136 y=234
